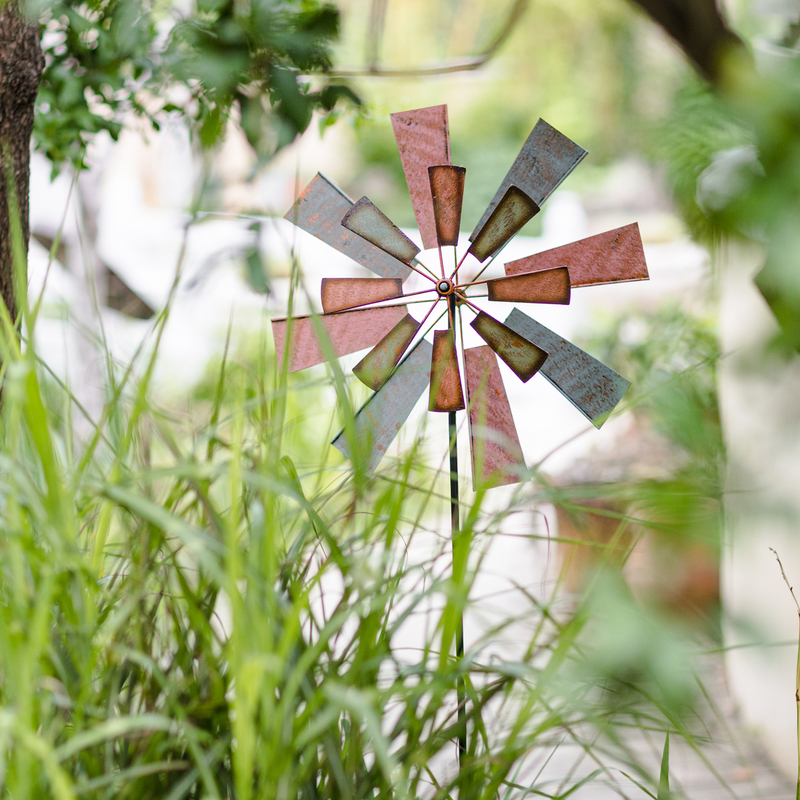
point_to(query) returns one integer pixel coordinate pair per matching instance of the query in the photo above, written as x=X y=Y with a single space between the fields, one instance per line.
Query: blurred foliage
x=732 y=155
x=670 y=357
x=668 y=474
x=597 y=71
x=219 y=59
x=697 y=132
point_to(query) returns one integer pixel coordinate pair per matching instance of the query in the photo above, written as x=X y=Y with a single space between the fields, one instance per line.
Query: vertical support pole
x=461 y=689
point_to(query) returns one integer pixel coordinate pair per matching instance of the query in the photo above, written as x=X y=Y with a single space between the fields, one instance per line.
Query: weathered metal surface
x=339 y=294
x=319 y=211
x=446 y=393
x=369 y=222
x=497 y=458
x=447 y=190
x=382 y=416
x=546 y=158
x=375 y=368
x=609 y=257
x=592 y=387
x=507 y=219
x=547 y=286
x=524 y=357
x=423 y=140
x=346 y=333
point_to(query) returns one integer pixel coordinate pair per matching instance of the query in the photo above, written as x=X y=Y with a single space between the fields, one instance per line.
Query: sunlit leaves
x=253 y=62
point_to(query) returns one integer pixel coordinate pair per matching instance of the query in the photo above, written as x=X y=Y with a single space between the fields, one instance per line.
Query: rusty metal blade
x=346 y=333
x=507 y=219
x=339 y=294
x=382 y=416
x=423 y=140
x=524 y=357
x=609 y=257
x=548 y=286
x=447 y=190
x=370 y=223
x=375 y=368
x=319 y=211
x=446 y=393
x=592 y=387
x=497 y=458
x=546 y=158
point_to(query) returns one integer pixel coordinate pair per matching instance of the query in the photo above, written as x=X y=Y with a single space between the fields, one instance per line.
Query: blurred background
x=701 y=457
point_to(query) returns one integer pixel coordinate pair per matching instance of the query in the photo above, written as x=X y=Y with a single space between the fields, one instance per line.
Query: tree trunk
x=699 y=28
x=21 y=66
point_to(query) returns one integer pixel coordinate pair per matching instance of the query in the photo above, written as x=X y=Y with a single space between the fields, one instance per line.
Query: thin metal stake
x=461 y=688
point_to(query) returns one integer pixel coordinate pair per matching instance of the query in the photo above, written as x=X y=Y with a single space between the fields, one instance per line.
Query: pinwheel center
x=444 y=287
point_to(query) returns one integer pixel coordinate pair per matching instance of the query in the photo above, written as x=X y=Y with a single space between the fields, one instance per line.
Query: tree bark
x=698 y=27
x=21 y=66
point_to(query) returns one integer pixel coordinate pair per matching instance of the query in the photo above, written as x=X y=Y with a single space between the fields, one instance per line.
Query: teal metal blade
x=546 y=158
x=592 y=387
x=381 y=417
x=319 y=210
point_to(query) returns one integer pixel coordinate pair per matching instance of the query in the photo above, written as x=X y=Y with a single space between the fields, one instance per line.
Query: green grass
x=204 y=602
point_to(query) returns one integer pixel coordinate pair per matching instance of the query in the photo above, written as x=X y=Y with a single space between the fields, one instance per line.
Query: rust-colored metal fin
x=343 y=333
x=497 y=458
x=375 y=368
x=447 y=190
x=370 y=223
x=423 y=140
x=546 y=158
x=507 y=219
x=609 y=257
x=548 y=286
x=592 y=387
x=522 y=356
x=319 y=211
x=382 y=416
x=446 y=393
x=339 y=294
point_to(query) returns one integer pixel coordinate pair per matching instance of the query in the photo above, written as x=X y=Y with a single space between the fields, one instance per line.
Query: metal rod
x=427 y=277
x=461 y=688
x=428 y=270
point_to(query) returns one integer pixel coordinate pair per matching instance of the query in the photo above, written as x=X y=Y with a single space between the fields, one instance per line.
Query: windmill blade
x=447 y=191
x=592 y=387
x=382 y=416
x=423 y=140
x=346 y=333
x=370 y=223
x=497 y=458
x=506 y=220
x=446 y=393
x=339 y=294
x=375 y=368
x=319 y=211
x=547 y=286
x=521 y=355
x=610 y=257
x=546 y=158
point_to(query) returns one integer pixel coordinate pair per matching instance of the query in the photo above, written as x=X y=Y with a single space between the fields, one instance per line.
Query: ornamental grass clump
x=195 y=603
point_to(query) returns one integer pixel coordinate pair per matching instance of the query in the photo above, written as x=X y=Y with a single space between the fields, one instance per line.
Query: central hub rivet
x=444 y=287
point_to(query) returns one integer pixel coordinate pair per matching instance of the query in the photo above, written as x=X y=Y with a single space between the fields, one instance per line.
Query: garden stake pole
x=461 y=689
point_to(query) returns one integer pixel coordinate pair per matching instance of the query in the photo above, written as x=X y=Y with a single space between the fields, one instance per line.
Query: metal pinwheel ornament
x=373 y=312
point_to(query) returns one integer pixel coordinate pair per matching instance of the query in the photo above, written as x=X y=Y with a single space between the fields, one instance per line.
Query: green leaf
x=663 y=781
x=256 y=274
x=212 y=127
